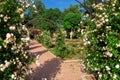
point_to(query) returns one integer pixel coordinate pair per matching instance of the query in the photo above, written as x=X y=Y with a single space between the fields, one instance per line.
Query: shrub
x=47 y=39
x=39 y=39
x=60 y=47
x=14 y=57
x=101 y=40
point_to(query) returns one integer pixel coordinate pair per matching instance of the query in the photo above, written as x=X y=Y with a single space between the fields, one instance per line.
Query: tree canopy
x=71 y=20
x=73 y=9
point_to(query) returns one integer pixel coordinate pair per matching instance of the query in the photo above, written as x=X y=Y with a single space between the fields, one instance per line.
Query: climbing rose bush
x=101 y=38
x=14 y=57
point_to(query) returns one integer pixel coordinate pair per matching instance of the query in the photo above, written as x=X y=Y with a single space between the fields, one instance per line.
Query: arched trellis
x=42 y=19
x=38 y=20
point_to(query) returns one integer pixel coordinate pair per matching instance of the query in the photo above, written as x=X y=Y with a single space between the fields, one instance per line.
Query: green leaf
x=1 y=41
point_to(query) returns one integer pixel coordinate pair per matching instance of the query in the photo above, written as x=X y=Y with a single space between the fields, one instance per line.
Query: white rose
x=20 y=10
x=22 y=15
x=34 y=6
x=114 y=76
x=8 y=35
x=12 y=28
x=27 y=5
x=107 y=68
x=1 y=15
x=5 y=18
x=106 y=20
x=100 y=75
x=117 y=66
x=12 y=76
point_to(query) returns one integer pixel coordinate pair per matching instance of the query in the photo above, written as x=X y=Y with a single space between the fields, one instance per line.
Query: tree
x=70 y=22
x=37 y=9
x=73 y=9
x=54 y=16
x=71 y=18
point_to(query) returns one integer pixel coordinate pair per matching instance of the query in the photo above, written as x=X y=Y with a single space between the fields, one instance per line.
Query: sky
x=61 y=4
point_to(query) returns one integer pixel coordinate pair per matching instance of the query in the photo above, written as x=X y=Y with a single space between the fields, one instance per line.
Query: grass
x=75 y=49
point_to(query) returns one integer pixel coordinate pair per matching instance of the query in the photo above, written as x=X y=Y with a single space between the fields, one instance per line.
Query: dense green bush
x=47 y=39
x=39 y=39
x=70 y=23
x=60 y=48
x=101 y=40
x=14 y=57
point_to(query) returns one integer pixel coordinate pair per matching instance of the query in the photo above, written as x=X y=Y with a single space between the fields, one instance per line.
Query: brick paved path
x=49 y=67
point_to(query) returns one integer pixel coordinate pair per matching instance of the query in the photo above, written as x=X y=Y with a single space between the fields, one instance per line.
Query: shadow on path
x=34 y=43
x=48 y=70
x=34 y=54
x=34 y=47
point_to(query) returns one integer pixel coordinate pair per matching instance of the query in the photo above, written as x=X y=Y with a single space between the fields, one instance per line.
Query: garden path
x=49 y=67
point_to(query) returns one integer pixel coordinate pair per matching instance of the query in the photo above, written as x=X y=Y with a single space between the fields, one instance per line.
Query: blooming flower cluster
x=14 y=39
x=103 y=33
x=3 y=66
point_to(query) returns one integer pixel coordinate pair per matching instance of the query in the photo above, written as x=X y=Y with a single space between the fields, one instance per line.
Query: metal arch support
x=41 y=19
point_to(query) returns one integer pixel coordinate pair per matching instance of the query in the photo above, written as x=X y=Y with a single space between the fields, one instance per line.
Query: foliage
x=37 y=8
x=47 y=26
x=60 y=48
x=72 y=49
x=72 y=9
x=70 y=22
x=44 y=39
x=54 y=17
x=101 y=40
x=39 y=39
x=47 y=39
x=52 y=14
x=49 y=20
x=87 y=5
x=14 y=57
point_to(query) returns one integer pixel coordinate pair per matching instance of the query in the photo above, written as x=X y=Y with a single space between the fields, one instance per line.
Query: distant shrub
x=60 y=48
x=47 y=39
